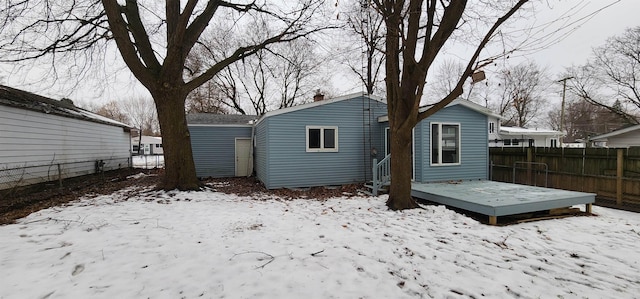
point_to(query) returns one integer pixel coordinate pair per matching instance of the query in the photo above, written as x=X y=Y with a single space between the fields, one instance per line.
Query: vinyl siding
x=625 y=140
x=474 y=146
x=261 y=157
x=289 y=165
x=418 y=152
x=213 y=149
x=35 y=143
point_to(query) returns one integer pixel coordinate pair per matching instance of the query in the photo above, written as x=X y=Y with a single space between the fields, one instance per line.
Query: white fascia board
x=221 y=125
x=615 y=133
x=319 y=103
x=471 y=105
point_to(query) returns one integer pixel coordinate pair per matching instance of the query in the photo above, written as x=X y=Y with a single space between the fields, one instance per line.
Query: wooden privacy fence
x=612 y=173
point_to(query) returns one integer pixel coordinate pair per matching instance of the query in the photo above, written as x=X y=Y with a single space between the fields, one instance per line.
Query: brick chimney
x=318 y=96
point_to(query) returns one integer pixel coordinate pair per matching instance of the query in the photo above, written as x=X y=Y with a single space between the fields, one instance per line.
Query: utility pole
x=564 y=90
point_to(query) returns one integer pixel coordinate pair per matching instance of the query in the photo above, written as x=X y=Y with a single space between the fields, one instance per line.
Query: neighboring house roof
x=319 y=103
x=209 y=119
x=25 y=100
x=603 y=137
x=466 y=103
x=530 y=132
x=149 y=139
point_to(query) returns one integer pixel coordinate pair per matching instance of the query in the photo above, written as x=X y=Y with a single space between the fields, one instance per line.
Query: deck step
x=381 y=189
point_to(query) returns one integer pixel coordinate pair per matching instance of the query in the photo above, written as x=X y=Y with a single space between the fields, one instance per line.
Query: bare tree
x=611 y=76
x=207 y=98
x=142 y=114
x=113 y=111
x=416 y=33
x=523 y=90
x=297 y=70
x=154 y=39
x=365 y=57
x=583 y=120
x=279 y=77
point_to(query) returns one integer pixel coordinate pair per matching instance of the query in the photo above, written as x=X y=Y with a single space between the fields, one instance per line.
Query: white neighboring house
x=43 y=139
x=622 y=138
x=150 y=145
x=502 y=136
x=494 y=130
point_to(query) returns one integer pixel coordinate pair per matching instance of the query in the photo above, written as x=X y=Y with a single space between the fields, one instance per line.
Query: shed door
x=243 y=152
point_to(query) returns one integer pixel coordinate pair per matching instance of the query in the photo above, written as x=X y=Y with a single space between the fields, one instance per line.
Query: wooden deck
x=496 y=199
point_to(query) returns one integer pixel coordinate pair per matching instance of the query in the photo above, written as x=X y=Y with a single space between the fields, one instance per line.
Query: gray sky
x=572 y=50
x=576 y=48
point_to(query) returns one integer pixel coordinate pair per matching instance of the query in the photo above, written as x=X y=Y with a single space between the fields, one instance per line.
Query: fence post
x=619 y=174
x=529 y=166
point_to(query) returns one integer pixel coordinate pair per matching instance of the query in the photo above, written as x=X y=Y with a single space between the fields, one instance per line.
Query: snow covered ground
x=148 y=161
x=152 y=244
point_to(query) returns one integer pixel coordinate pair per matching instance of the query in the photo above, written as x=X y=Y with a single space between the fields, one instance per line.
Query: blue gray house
x=450 y=145
x=335 y=141
x=326 y=142
x=346 y=140
x=221 y=144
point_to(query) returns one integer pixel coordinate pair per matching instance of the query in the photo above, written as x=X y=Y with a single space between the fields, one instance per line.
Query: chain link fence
x=15 y=176
x=148 y=161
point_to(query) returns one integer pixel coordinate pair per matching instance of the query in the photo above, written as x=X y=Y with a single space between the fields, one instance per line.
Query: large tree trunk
x=180 y=170
x=402 y=119
x=401 y=170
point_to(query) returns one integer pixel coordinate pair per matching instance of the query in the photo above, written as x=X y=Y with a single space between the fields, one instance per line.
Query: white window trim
x=440 y=124
x=386 y=144
x=321 y=149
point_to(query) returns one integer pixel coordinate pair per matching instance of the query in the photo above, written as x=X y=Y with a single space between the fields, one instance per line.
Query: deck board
x=497 y=198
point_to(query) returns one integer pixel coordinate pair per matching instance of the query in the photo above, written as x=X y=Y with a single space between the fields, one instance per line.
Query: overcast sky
x=572 y=50
x=576 y=48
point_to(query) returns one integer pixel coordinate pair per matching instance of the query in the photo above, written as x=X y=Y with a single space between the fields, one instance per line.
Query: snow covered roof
x=524 y=131
x=616 y=133
x=149 y=139
x=210 y=119
x=25 y=100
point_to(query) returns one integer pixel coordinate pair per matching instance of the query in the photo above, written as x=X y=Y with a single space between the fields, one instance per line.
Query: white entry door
x=243 y=155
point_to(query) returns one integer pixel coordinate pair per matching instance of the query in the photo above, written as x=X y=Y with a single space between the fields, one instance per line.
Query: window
x=515 y=141
x=445 y=144
x=507 y=142
x=135 y=148
x=554 y=142
x=492 y=127
x=322 y=139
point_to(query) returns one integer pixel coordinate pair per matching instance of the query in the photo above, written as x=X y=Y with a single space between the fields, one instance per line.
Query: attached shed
x=221 y=144
x=326 y=142
x=43 y=139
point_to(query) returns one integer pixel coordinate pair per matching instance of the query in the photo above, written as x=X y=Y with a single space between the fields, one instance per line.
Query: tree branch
x=457 y=91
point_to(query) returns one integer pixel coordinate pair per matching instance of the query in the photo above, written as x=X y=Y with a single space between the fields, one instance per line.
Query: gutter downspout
x=250 y=164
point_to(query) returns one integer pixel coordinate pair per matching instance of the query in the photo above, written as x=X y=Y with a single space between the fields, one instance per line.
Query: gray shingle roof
x=30 y=101
x=219 y=119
